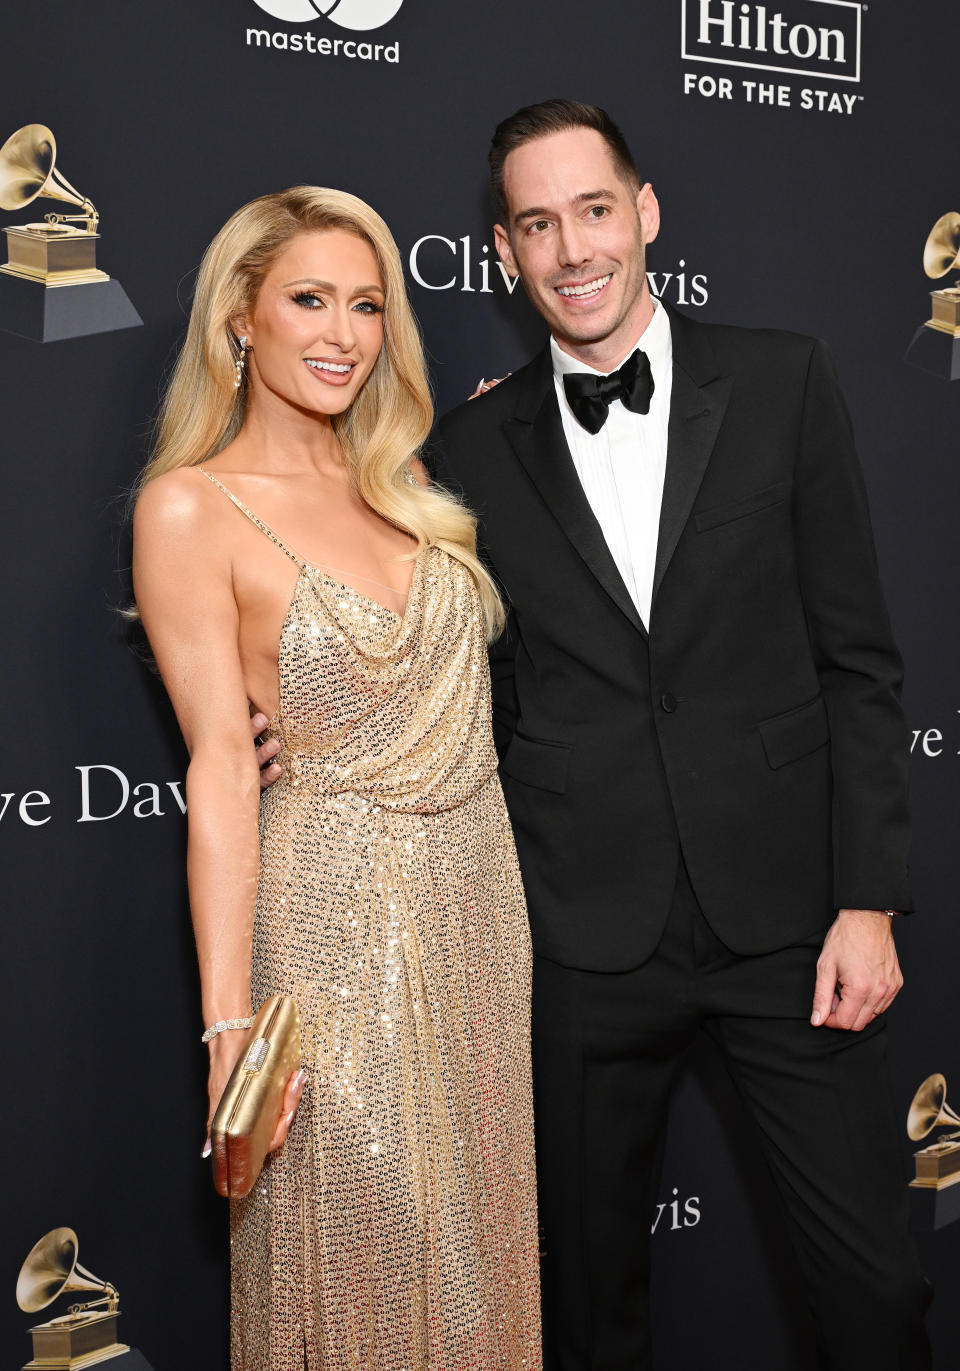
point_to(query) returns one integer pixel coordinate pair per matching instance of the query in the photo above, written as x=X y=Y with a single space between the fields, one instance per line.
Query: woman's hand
x=291 y=1099
x=226 y=1050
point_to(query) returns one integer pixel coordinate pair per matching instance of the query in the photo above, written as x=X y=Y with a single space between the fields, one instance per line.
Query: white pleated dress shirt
x=622 y=468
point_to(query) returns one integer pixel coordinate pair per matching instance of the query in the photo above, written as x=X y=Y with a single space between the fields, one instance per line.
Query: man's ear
x=505 y=251
x=649 y=211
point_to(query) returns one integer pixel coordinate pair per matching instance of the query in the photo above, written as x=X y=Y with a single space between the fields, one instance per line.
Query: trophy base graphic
x=51 y=287
x=76 y=1340
x=945 y=311
x=49 y=314
x=128 y=1359
x=936 y=350
x=933 y=1207
x=938 y=1165
x=54 y=254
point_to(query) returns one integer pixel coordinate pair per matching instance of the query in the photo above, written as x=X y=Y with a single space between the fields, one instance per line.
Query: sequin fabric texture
x=396 y=1229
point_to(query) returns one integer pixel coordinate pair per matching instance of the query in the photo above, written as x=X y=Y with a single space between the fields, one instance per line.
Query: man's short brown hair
x=554 y=116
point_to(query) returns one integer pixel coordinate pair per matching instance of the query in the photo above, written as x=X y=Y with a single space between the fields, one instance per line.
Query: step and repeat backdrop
x=805 y=160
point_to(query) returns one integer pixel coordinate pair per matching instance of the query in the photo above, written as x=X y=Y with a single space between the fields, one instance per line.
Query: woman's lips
x=330 y=371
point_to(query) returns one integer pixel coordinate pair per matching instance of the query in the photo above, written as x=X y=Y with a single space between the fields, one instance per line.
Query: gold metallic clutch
x=250 y=1108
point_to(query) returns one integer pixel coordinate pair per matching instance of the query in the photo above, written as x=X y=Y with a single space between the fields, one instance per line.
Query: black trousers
x=606 y=1050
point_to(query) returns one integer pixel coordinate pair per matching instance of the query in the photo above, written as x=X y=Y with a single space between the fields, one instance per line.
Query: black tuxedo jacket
x=757 y=727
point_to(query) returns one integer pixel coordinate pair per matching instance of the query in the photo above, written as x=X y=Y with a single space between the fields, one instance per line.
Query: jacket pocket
x=739 y=509
x=537 y=762
x=795 y=733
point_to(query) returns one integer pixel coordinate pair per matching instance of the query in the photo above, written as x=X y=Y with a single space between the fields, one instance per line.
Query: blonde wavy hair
x=203 y=411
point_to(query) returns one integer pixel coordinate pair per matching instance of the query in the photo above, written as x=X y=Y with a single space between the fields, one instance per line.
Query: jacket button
x=668 y=703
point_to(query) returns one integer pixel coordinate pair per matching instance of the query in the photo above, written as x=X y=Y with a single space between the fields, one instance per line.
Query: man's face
x=576 y=235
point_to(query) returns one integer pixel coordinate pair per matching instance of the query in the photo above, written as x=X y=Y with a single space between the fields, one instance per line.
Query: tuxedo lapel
x=536 y=436
x=697 y=405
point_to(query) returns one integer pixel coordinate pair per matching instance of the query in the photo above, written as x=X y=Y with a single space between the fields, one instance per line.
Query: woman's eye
x=308 y=300
x=368 y=307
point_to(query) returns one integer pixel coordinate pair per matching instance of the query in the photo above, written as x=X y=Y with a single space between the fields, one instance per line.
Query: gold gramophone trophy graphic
x=936 y=344
x=87 y=1334
x=938 y=1164
x=51 y=287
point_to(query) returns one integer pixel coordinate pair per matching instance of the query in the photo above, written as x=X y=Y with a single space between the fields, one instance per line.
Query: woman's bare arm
x=183 y=581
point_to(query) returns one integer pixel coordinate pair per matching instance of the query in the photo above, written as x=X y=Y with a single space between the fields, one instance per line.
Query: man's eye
x=308 y=300
x=539 y=226
x=599 y=211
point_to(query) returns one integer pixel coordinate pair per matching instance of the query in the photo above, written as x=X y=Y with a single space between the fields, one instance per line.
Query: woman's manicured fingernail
x=207 y=1149
x=259 y=721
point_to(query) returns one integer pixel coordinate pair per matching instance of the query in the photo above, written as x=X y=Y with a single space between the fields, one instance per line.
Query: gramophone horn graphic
x=51 y=287
x=937 y=1165
x=936 y=344
x=87 y=1334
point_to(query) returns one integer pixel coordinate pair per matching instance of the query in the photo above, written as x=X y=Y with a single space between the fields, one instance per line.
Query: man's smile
x=587 y=290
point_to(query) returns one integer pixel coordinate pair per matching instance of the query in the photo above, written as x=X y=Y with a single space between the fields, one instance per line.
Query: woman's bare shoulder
x=177 y=501
x=181 y=518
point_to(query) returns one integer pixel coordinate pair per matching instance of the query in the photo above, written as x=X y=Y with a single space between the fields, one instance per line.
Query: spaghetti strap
x=264 y=528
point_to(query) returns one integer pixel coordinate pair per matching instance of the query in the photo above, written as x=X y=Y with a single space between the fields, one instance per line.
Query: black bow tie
x=590 y=396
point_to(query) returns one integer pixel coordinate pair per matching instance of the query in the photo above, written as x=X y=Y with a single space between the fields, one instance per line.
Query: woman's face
x=316 y=328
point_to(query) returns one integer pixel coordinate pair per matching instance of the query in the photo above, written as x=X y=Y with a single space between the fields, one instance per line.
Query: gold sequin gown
x=396 y=1229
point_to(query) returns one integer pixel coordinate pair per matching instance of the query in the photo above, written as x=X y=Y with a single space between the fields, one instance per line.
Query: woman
x=290 y=552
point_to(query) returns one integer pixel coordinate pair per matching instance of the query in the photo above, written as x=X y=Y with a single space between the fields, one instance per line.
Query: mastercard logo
x=358 y=15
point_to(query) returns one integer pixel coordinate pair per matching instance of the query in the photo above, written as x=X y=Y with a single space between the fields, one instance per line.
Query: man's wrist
x=885 y=913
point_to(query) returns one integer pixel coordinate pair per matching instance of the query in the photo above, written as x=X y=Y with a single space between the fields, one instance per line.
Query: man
x=704 y=756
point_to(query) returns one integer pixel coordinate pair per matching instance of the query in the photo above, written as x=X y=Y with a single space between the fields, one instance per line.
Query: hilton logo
x=817 y=38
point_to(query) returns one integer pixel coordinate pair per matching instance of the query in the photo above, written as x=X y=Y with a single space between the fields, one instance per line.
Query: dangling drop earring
x=240 y=363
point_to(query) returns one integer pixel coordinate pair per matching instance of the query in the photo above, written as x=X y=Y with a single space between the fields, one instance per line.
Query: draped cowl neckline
x=395 y=707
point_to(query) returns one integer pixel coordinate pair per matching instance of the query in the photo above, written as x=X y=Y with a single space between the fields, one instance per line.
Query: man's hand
x=858 y=974
x=269 y=770
x=483 y=386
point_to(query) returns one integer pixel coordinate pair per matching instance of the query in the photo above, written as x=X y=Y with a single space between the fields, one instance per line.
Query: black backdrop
x=169 y=116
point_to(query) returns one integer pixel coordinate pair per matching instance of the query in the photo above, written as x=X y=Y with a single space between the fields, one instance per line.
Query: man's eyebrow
x=585 y=197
